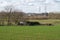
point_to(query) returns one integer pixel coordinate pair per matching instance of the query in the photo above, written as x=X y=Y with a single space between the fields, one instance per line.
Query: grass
x=54 y=21
x=30 y=32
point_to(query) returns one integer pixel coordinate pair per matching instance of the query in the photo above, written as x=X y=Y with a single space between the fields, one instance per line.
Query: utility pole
x=39 y=9
x=46 y=9
x=41 y=2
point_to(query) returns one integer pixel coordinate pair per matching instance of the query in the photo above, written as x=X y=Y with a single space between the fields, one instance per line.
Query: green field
x=42 y=32
x=30 y=32
x=53 y=21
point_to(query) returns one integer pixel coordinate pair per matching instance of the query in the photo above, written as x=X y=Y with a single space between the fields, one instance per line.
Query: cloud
x=32 y=5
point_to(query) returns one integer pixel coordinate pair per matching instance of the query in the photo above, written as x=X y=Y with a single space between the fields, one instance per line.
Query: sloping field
x=30 y=32
x=54 y=21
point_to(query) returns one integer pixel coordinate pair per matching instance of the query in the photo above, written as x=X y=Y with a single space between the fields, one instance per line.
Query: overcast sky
x=33 y=5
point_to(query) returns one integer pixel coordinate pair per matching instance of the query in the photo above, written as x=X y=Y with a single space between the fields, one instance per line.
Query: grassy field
x=42 y=32
x=54 y=21
x=30 y=32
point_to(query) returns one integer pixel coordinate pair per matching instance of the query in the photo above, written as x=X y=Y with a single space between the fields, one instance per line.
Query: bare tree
x=19 y=16
x=15 y=14
x=9 y=10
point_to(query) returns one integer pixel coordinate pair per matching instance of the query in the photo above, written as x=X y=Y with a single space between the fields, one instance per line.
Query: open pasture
x=30 y=32
x=41 y=32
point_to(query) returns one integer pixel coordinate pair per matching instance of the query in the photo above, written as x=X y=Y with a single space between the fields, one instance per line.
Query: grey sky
x=33 y=5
